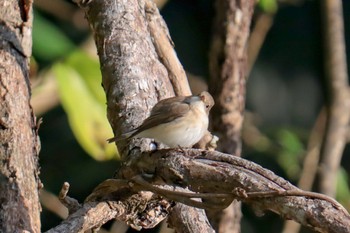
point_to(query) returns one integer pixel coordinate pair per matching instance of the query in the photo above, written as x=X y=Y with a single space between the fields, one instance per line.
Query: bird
x=179 y=121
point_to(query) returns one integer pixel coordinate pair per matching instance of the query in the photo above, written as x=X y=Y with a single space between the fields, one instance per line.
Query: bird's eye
x=207 y=106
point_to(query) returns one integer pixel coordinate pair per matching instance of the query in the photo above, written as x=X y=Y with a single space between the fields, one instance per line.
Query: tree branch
x=228 y=67
x=131 y=39
x=132 y=76
x=310 y=163
x=202 y=173
x=185 y=224
x=339 y=98
x=165 y=50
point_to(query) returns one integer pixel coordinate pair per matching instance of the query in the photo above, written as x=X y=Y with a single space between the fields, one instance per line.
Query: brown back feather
x=165 y=111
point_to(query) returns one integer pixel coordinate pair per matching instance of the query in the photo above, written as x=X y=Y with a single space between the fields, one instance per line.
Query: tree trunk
x=228 y=69
x=19 y=143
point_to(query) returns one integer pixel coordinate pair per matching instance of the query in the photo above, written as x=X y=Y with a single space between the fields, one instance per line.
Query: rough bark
x=185 y=175
x=19 y=143
x=165 y=50
x=186 y=220
x=139 y=66
x=228 y=68
x=132 y=76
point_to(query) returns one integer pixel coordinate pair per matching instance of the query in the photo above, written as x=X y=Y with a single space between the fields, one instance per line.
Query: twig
x=134 y=80
x=339 y=103
x=71 y=204
x=312 y=156
x=52 y=203
x=185 y=196
x=310 y=164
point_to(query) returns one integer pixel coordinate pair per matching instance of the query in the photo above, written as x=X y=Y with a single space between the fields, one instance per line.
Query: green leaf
x=86 y=114
x=343 y=190
x=49 y=42
x=291 y=152
x=269 y=6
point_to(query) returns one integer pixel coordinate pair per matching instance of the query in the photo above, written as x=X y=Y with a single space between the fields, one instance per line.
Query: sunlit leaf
x=87 y=116
x=89 y=69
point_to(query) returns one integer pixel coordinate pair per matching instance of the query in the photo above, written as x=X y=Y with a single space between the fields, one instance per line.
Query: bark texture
x=19 y=143
x=132 y=76
x=188 y=220
x=185 y=175
x=139 y=66
x=228 y=69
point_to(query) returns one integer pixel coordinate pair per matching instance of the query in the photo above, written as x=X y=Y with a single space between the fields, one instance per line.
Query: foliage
x=343 y=189
x=291 y=152
x=268 y=6
x=49 y=42
x=84 y=102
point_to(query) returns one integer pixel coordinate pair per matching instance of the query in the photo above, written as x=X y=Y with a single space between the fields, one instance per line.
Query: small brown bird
x=176 y=121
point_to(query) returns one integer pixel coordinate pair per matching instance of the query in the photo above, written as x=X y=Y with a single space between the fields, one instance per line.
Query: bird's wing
x=165 y=111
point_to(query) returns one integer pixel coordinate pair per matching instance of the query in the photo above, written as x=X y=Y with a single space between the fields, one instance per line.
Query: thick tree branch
x=132 y=76
x=228 y=68
x=91 y=215
x=202 y=173
x=131 y=39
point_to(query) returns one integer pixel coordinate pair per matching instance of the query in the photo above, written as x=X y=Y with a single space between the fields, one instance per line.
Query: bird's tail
x=122 y=137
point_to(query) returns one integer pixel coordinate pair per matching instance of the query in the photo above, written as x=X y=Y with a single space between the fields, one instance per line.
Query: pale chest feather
x=184 y=131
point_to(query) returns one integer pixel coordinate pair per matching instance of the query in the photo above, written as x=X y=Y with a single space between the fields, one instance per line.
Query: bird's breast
x=185 y=131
